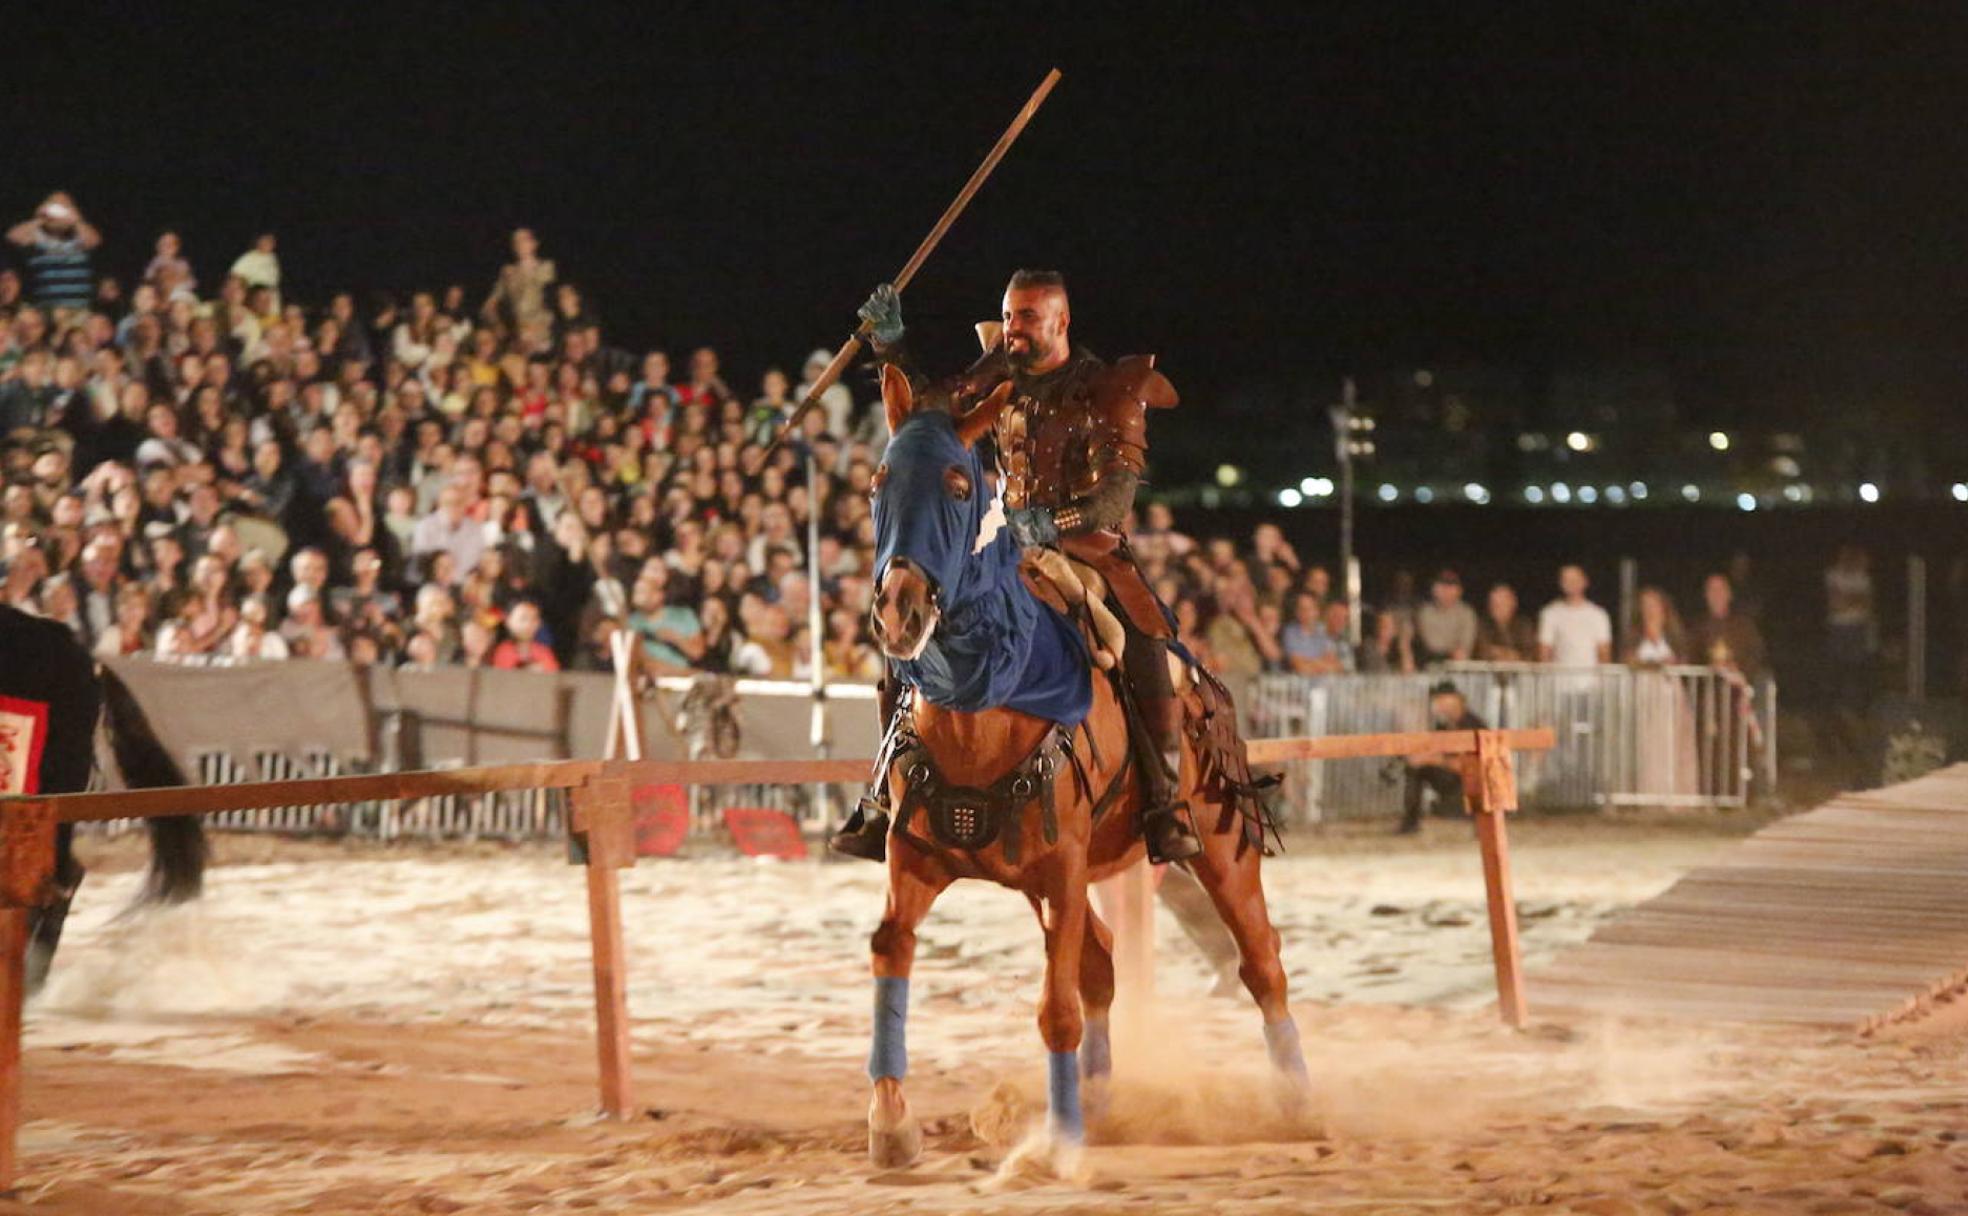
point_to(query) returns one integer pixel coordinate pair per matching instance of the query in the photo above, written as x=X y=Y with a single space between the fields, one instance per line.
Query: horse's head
x=932 y=507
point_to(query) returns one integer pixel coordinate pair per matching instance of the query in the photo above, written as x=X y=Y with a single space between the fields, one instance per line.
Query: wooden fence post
x=27 y=871
x=1489 y=789
x=601 y=814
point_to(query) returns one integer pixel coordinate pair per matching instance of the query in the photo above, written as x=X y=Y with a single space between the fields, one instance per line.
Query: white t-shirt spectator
x=1575 y=632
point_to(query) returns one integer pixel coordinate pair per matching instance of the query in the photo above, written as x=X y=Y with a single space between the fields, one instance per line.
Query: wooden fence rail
x=602 y=820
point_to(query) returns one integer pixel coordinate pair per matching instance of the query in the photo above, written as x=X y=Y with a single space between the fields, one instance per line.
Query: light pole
x=1352 y=438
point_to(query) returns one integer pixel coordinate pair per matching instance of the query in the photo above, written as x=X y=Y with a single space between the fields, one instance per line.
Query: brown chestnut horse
x=1006 y=771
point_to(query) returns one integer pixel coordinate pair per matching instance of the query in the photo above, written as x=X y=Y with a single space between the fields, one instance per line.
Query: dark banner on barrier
x=297 y=718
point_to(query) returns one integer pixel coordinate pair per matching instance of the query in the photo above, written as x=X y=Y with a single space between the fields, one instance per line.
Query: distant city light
x=1960 y=491
x=1228 y=475
x=1560 y=492
x=1691 y=494
x=1588 y=495
x=1424 y=378
x=1578 y=441
x=1793 y=493
x=1289 y=497
x=1534 y=494
x=1639 y=491
x=1868 y=492
x=1424 y=495
x=1786 y=466
x=1746 y=501
x=1616 y=496
x=1719 y=440
x=1316 y=487
x=1476 y=493
x=1387 y=492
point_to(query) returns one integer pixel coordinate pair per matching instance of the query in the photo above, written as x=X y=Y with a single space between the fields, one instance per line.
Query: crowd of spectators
x=207 y=465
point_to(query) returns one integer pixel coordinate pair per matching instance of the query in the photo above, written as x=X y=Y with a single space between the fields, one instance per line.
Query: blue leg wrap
x=889 y=1057
x=1281 y=1037
x=1096 y=1050
x=1064 y=1069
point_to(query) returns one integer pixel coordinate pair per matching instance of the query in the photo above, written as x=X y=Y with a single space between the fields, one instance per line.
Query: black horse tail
x=178 y=850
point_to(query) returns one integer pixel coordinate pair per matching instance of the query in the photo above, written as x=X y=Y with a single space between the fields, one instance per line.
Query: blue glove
x=883 y=314
x=1032 y=526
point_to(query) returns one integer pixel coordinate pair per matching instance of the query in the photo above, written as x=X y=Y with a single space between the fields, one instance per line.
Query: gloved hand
x=1032 y=526
x=883 y=313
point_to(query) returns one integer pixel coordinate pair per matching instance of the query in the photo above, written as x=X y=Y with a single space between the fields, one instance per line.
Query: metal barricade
x=1692 y=737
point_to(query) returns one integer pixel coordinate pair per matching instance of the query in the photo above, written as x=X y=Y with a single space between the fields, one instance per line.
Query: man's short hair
x=1022 y=279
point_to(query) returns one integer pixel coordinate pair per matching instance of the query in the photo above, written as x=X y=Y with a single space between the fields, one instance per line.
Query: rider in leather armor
x=1072 y=444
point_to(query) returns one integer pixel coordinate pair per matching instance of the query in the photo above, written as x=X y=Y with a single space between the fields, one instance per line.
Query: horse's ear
x=897 y=397
x=984 y=415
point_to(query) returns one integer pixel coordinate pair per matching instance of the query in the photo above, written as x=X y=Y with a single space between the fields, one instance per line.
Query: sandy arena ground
x=344 y=1030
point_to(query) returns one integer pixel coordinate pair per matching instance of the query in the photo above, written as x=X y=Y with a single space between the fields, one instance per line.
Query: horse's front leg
x=1062 y=1021
x=914 y=882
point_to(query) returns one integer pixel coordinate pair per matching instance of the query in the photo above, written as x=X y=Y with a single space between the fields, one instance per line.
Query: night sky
x=1766 y=202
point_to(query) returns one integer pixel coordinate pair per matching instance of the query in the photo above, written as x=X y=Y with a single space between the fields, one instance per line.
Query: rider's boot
x=1164 y=816
x=865 y=834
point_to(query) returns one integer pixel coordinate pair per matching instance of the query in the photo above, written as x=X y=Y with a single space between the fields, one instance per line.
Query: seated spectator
x=1441 y=773
x=522 y=650
x=251 y=639
x=671 y=636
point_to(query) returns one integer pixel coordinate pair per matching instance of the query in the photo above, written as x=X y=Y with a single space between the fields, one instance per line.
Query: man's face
x=1719 y=595
x=524 y=621
x=1572 y=582
x=1336 y=619
x=1035 y=324
x=1448 y=595
x=524 y=246
x=1445 y=707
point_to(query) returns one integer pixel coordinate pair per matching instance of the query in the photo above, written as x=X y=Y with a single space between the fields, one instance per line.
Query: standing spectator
x=1572 y=630
x=1661 y=641
x=1445 y=627
x=1505 y=635
x=1724 y=637
x=1236 y=634
x=1300 y=637
x=519 y=298
x=1390 y=649
x=1851 y=630
x=58 y=243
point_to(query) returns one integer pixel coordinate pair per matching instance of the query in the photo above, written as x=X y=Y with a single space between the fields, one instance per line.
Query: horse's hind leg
x=894 y=1136
x=1228 y=870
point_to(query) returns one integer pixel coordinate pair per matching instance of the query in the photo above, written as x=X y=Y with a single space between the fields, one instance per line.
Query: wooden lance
x=852 y=347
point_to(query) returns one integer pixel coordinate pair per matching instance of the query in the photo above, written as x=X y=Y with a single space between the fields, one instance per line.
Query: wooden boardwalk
x=1854 y=914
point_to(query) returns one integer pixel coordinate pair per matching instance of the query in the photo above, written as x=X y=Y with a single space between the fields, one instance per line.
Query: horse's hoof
x=894 y=1148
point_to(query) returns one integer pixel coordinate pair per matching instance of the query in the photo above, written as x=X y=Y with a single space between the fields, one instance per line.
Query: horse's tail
x=177 y=842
